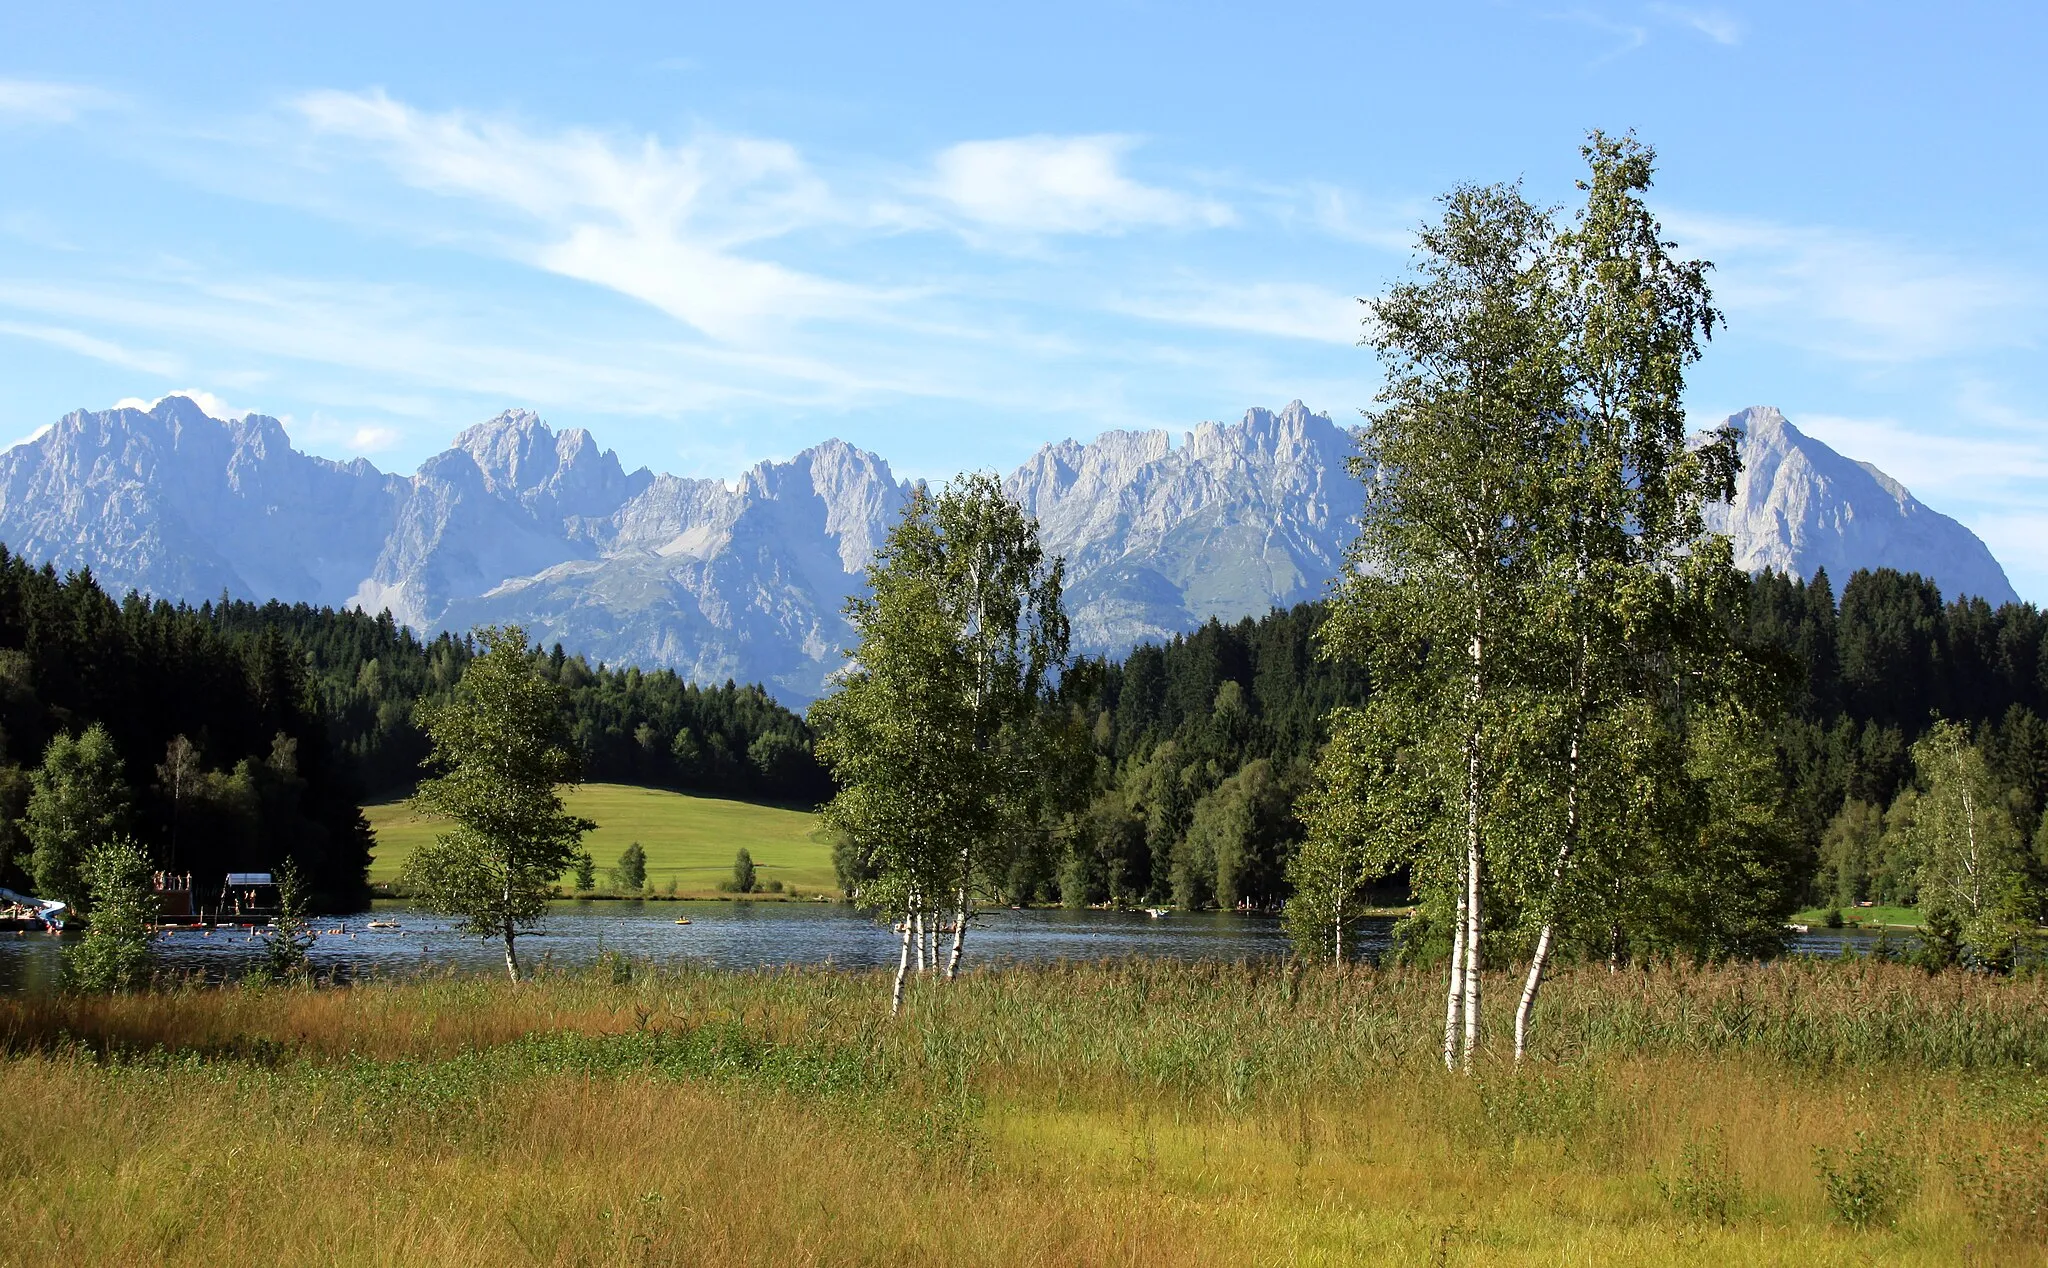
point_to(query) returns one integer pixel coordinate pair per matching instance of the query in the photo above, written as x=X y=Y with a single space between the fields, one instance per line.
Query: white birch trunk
x=1526 y=1007
x=959 y=933
x=1475 y=929
x=1474 y=888
x=917 y=932
x=512 y=953
x=1456 y=1000
x=902 y=969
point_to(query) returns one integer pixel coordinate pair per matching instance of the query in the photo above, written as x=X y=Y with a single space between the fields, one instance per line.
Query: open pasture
x=689 y=839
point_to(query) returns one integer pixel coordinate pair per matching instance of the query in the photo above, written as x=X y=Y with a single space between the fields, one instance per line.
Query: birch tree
x=941 y=727
x=1436 y=598
x=504 y=750
x=1628 y=485
x=1973 y=874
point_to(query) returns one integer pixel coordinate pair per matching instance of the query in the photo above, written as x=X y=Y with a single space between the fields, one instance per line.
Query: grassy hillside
x=690 y=840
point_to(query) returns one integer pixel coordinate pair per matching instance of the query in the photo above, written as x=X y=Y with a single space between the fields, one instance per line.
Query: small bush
x=630 y=876
x=291 y=937
x=744 y=880
x=115 y=954
x=1703 y=1187
x=1871 y=1187
x=1833 y=919
x=774 y=887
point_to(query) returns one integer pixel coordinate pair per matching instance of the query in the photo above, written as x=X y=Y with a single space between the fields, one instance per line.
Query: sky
x=715 y=234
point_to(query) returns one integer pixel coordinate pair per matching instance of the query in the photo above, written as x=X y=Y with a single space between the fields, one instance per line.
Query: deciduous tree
x=502 y=745
x=941 y=727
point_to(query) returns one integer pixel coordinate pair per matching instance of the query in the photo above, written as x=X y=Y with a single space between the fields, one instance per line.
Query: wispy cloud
x=40 y=101
x=1061 y=185
x=1855 y=295
x=1624 y=37
x=85 y=345
x=1275 y=309
x=1718 y=25
x=662 y=223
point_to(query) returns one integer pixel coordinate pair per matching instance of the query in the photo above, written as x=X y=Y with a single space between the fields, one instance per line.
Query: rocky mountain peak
x=1799 y=507
x=517 y=522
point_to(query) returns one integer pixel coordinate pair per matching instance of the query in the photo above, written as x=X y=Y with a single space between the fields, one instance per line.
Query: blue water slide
x=46 y=909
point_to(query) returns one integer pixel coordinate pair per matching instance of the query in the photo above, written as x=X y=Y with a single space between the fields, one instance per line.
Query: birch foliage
x=939 y=732
x=505 y=753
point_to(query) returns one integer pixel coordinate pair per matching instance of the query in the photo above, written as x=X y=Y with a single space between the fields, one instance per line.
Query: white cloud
x=373 y=439
x=1853 y=295
x=662 y=223
x=1718 y=25
x=212 y=406
x=1055 y=184
x=1279 y=309
x=37 y=101
x=98 y=349
x=33 y=436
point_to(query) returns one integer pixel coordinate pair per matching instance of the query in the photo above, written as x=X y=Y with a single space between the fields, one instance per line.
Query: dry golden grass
x=1126 y=1114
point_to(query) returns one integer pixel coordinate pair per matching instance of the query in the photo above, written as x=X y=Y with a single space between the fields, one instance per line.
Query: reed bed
x=1132 y=1113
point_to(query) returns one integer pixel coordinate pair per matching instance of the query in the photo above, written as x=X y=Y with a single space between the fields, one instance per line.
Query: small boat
x=682 y=920
x=383 y=924
x=1155 y=912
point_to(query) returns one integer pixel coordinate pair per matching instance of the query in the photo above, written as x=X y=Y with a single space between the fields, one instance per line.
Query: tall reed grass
x=1119 y=1113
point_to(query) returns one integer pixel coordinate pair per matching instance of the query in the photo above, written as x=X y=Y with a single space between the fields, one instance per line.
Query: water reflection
x=749 y=935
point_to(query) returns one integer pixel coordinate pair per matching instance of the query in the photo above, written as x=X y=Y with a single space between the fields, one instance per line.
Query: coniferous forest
x=245 y=734
x=233 y=736
x=1203 y=743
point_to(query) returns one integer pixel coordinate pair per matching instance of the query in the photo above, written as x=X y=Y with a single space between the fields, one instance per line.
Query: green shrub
x=744 y=881
x=630 y=876
x=1703 y=1187
x=115 y=954
x=1871 y=1187
x=290 y=936
x=1833 y=919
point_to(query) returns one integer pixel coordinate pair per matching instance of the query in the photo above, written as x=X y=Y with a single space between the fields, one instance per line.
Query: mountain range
x=746 y=579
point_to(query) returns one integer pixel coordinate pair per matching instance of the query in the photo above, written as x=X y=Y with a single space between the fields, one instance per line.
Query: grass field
x=1870 y=917
x=1133 y=1113
x=690 y=840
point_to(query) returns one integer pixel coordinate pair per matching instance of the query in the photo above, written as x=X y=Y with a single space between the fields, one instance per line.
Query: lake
x=743 y=935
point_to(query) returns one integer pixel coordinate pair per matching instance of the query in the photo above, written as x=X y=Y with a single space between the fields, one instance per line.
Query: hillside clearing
x=689 y=840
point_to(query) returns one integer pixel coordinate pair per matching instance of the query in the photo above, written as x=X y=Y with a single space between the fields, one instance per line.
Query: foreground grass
x=1136 y=1113
x=690 y=840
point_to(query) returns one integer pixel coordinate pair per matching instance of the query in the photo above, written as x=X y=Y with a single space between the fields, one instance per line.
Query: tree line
x=232 y=736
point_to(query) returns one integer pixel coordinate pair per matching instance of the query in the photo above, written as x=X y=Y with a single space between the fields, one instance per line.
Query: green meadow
x=689 y=840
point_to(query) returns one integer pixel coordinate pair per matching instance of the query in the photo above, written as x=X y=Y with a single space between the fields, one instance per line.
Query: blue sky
x=714 y=234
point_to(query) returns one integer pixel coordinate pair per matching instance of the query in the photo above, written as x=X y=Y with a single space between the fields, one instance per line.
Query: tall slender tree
x=503 y=747
x=941 y=728
x=1627 y=484
x=1437 y=598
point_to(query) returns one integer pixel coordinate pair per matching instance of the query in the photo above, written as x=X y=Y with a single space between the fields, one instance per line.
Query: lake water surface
x=741 y=935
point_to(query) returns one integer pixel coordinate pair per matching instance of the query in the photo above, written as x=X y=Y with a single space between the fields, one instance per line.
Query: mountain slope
x=1158 y=539
x=517 y=522
x=1799 y=507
